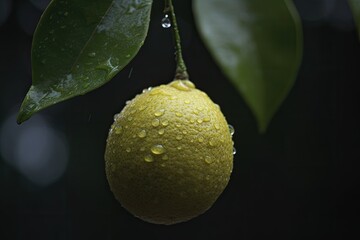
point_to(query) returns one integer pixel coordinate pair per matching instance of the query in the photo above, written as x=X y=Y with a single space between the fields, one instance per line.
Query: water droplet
x=234 y=150
x=184 y=132
x=147 y=90
x=118 y=129
x=212 y=142
x=159 y=113
x=130 y=119
x=131 y=9
x=206 y=119
x=109 y=67
x=178 y=114
x=148 y=158
x=128 y=56
x=165 y=22
x=217 y=127
x=155 y=122
x=208 y=160
x=92 y=54
x=199 y=120
x=116 y=116
x=157 y=149
x=200 y=139
x=161 y=131
x=231 y=129
x=179 y=148
x=128 y=150
x=187 y=101
x=165 y=122
x=179 y=137
x=142 y=134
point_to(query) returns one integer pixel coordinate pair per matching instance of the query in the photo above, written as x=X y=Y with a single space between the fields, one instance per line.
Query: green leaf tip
x=80 y=45
x=260 y=51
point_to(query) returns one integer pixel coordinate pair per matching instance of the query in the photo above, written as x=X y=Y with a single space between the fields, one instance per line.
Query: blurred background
x=297 y=181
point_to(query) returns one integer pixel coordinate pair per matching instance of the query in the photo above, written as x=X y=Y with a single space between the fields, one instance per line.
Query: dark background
x=297 y=181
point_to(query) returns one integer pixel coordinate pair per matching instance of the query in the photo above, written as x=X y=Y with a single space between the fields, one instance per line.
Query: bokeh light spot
x=35 y=149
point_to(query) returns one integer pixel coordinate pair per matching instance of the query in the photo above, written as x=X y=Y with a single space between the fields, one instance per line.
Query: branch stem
x=181 y=72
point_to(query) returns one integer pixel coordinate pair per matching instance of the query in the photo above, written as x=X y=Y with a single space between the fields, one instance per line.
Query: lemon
x=169 y=153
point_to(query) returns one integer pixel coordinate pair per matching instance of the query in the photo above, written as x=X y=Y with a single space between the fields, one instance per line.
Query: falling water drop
x=234 y=150
x=165 y=22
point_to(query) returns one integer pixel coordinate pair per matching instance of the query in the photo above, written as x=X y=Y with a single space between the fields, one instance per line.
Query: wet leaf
x=80 y=45
x=355 y=7
x=257 y=44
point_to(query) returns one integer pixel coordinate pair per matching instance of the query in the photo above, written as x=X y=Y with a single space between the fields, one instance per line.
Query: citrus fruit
x=169 y=153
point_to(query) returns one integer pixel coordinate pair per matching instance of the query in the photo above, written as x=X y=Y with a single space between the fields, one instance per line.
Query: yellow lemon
x=169 y=153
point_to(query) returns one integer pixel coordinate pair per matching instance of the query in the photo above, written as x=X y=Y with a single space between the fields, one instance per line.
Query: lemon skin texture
x=169 y=154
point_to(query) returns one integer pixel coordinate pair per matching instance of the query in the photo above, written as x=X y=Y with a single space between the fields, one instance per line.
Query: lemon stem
x=181 y=72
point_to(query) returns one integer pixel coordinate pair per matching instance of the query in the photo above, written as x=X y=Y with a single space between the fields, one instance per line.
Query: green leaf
x=79 y=45
x=355 y=7
x=258 y=46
